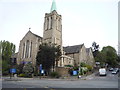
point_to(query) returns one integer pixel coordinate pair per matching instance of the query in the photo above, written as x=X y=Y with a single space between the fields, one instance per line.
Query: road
x=92 y=81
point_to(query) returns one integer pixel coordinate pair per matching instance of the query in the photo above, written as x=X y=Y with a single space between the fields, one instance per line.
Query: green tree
x=6 y=50
x=5 y=67
x=47 y=55
x=100 y=57
x=89 y=67
x=95 y=49
x=110 y=55
x=118 y=59
x=119 y=48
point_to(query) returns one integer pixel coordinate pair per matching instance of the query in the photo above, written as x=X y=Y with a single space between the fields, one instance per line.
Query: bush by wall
x=54 y=75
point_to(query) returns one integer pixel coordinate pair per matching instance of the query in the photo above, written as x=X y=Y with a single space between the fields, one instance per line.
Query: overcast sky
x=83 y=21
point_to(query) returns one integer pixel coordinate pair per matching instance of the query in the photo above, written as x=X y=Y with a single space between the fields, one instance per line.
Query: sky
x=119 y=28
x=83 y=21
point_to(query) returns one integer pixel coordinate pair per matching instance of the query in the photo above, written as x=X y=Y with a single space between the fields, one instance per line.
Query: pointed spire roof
x=53 y=7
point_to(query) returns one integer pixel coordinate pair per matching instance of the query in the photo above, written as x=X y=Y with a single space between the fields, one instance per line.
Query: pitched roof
x=32 y=34
x=72 y=49
x=88 y=50
x=35 y=35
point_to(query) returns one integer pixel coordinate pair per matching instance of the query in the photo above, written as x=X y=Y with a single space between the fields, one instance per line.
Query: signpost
x=12 y=71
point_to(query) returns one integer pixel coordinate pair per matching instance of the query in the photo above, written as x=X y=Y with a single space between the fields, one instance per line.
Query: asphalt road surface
x=92 y=81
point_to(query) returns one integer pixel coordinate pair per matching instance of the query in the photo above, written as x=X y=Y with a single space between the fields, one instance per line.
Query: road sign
x=13 y=70
x=74 y=72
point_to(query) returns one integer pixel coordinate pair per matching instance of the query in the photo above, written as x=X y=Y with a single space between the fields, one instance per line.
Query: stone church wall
x=62 y=71
x=34 y=43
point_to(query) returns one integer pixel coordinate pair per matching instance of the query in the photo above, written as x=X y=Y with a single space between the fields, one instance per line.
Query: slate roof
x=72 y=49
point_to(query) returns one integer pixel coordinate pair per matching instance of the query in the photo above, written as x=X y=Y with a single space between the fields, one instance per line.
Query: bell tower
x=53 y=26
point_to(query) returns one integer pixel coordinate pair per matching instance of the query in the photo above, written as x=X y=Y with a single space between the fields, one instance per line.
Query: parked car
x=114 y=72
x=111 y=69
x=117 y=69
x=102 y=71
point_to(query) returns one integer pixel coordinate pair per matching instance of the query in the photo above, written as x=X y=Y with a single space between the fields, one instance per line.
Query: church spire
x=53 y=7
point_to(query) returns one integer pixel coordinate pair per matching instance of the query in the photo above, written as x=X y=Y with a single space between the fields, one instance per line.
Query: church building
x=52 y=34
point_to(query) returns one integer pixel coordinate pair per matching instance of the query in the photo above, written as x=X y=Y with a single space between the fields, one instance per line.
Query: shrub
x=36 y=73
x=25 y=75
x=21 y=75
x=81 y=72
x=5 y=67
x=82 y=64
x=28 y=69
x=5 y=73
x=89 y=67
x=70 y=71
x=20 y=68
x=29 y=75
x=68 y=66
x=75 y=68
x=54 y=75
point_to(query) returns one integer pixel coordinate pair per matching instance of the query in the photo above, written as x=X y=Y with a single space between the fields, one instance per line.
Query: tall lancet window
x=27 y=49
x=23 y=50
x=47 y=23
x=49 y=26
x=31 y=50
x=59 y=24
x=51 y=22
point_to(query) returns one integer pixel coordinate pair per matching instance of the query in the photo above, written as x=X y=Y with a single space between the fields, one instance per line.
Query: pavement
x=71 y=78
